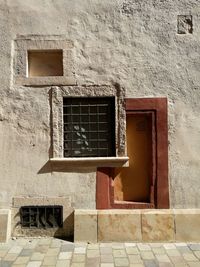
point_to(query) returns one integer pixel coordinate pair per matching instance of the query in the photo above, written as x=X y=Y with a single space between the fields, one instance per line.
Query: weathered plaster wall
x=134 y=43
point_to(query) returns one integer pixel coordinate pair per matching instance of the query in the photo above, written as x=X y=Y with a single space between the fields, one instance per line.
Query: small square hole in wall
x=184 y=24
x=45 y=63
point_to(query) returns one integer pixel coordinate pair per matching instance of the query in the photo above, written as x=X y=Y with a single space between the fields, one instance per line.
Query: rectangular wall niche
x=41 y=216
x=184 y=24
x=45 y=63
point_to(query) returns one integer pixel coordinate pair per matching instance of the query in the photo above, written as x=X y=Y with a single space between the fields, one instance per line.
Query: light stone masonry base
x=180 y=225
x=5 y=225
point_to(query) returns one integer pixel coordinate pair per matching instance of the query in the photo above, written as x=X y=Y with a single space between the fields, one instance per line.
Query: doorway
x=134 y=183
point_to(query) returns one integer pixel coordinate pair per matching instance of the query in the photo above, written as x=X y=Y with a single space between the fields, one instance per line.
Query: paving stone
x=93 y=253
x=6 y=263
x=181 y=244
x=197 y=254
x=147 y=255
x=26 y=252
x=34 y=264
x=63 y=263
x=45 y=241
x=105 y=244
x=93 y=246
x=130 y=244
x=107 y=265
x=42 y=248
x=193 y=264
x=67 y=247
x=173 y=252
x=181 y=265
x=177 y=259
x=121 y=262
x=117 y=245
x=78 y=264
x=106 y=250
x=155 y=245
x=194 y=246
x=18 y=265
x=150 y=263
x=169 y=246
x=163 y=258
x=135 y=258
x=15 y=249
x=119 y=253
x=132 y=250
x=143 y=247
x=80 y=250
x=37 y=256
x=65 y=256
x=78 y=258
x=3 y=253
x=10 y=257
x=107 y=258
x=92 y=262
x=158 y=250
x=184 y=249
x=81 y=244
x=21 y=260
x=165 y=264
x=189 y=257
x=49 y=260
x=52 y=251
x=136 y=265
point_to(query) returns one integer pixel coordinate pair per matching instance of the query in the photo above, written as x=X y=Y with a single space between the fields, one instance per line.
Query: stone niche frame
x=68 y=216
x=23 y=44
x=120 y=125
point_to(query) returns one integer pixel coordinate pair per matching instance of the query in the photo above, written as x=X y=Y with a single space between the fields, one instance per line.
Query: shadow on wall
x=67 y=231
x=50 y=166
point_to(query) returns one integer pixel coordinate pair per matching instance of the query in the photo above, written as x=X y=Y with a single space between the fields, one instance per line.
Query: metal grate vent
x=41 y=216
x=89 y=126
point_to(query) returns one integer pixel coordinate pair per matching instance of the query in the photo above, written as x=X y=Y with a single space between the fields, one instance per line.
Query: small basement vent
x=41 y=216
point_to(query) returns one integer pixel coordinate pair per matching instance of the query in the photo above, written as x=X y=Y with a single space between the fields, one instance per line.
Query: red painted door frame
x=159 y=197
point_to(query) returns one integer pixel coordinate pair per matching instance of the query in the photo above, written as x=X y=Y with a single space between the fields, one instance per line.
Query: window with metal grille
x=89 y=126
x=41 y=216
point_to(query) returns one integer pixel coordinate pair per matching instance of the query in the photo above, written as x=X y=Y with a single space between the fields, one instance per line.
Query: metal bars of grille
x=41 y=216
x=89 y=127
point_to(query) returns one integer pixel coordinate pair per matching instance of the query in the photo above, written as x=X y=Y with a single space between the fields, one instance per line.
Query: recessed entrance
x=144 y=184
x=133 y=184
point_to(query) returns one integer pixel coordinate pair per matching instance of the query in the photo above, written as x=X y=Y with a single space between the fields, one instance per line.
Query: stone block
x=5 y=225
x=119 y=225
x=85 y=226
x=187 y=224
x=157 y=225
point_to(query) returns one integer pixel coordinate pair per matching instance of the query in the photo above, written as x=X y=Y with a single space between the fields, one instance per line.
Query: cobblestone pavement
x=59 y=253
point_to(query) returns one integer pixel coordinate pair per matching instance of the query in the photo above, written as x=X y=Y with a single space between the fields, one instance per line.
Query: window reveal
x=89 y=126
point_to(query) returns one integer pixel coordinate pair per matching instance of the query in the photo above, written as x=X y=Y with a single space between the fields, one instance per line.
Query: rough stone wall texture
x=134 y=43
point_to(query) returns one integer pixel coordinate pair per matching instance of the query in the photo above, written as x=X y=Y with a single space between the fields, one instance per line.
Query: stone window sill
x=94 y=162
x=44 y=81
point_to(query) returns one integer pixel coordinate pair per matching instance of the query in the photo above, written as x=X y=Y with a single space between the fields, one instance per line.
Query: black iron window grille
x=89 y=126
x=41 y=216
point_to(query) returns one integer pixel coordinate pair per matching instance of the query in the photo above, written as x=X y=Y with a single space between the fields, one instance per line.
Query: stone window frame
x=58 y=93
x=23 y=44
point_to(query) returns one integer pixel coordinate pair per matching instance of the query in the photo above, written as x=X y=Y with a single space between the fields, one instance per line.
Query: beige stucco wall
x=134 y=43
